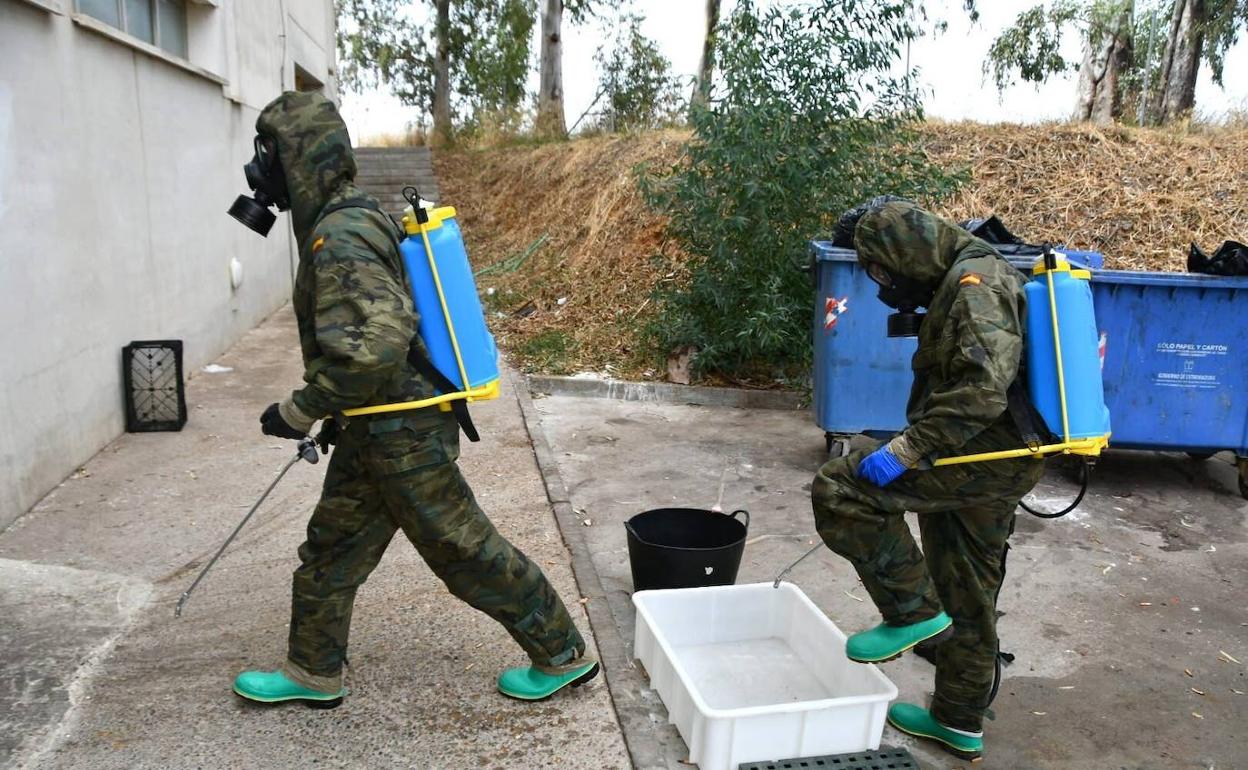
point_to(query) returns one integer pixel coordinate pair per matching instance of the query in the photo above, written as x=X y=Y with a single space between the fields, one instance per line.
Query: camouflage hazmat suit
x=397 y=471
x=969 y=351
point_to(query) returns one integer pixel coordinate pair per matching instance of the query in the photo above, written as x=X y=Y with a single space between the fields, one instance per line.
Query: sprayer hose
x=1083 y=489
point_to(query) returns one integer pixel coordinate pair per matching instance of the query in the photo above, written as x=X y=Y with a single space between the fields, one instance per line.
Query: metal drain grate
x=885 y=758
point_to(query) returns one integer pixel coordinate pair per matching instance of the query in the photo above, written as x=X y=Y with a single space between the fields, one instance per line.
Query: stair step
x=380 y=170
x=395 y=195
x=399 y=181
x=380 y=150
x=393 y=174
x=383 y=172
x=397 y=184
x=372 y=162
x=390 y=176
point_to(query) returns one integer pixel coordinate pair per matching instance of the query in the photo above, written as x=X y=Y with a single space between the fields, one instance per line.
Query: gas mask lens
x=267 y=180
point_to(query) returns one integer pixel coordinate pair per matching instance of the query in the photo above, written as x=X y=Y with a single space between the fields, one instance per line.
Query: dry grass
x=597 y=254
x=1138 y=195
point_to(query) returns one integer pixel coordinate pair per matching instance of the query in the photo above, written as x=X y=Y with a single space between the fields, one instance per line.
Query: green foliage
x=636 y=81
x=382 y=42
x=1224 y=21
x=491 y=40
x=1030 y=49
x=809 y=119
x=390 y=43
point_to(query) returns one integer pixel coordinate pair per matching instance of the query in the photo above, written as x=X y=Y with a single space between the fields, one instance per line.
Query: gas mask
x=268 y=183
x=906 y=295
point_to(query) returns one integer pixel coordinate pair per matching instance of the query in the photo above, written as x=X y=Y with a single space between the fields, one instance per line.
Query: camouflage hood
x=315 y=152
x=906 y=240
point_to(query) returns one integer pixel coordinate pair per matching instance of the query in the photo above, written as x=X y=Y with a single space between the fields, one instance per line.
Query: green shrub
x=808 y=118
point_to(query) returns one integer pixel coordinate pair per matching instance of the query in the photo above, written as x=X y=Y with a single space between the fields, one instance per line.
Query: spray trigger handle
x=1050 y=258
x=307 y=451
x=412 y=196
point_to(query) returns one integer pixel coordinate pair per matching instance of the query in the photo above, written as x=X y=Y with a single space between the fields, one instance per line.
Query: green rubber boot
x=527 y=683
x=885 y=642
x=275 y=687
x=916 y=721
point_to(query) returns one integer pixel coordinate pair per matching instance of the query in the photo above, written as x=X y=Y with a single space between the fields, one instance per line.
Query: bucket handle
x=733 y=515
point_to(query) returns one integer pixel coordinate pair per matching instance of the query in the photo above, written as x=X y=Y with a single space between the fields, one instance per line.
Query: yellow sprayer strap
x=1090 y=447
x=484 y=393
x=446 y=311
x=1057 y=355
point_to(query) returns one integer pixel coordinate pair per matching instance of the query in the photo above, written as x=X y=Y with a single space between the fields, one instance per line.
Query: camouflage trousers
x=387 y=475
x=966 y=515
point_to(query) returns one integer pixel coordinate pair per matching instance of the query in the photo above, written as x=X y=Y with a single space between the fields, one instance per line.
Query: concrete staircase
x=383 y=172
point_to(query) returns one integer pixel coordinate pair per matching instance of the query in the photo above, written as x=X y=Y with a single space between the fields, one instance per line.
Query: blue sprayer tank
x=457 y=300
x=1087 y=414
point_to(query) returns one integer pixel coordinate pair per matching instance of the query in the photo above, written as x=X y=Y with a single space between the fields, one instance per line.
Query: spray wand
x=306 y=451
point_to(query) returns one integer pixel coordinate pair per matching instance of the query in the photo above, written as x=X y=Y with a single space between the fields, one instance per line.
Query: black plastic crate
x=154 y=392
x=885 y=758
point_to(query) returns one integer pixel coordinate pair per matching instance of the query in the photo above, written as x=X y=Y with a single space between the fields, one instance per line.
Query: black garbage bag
x=994 y=231
x=1230 y=259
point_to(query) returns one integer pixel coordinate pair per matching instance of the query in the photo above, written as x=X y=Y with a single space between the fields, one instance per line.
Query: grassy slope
x=579 y=298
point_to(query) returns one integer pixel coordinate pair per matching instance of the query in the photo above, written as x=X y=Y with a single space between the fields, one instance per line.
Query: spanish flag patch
x=317 y=244
x=970 y=279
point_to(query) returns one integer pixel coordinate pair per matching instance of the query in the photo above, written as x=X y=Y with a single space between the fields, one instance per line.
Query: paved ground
x=1127 y=617
x=1119 y=614
x=96 y=673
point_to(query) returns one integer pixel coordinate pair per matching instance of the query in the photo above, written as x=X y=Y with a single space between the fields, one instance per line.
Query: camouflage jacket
x=353 y=306
x=971 y=342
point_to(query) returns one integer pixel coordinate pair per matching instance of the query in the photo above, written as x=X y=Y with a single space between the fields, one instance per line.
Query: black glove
x=843 y=233
x=327 y=436
x=272 y=424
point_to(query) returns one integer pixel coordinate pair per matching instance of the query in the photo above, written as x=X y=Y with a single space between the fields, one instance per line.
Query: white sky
x=949 y=67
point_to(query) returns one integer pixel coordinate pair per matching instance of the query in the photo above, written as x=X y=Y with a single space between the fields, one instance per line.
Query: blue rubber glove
x=881 y=467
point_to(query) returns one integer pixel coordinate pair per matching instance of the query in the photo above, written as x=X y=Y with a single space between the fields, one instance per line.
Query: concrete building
x=124 y=125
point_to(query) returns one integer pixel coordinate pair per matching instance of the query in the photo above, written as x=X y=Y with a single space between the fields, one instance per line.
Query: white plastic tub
x=751 y=673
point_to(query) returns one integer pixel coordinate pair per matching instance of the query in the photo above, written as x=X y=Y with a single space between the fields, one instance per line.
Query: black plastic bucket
x=685 y=547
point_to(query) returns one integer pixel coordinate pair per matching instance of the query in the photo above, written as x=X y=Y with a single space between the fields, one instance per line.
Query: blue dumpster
x=1175 y=356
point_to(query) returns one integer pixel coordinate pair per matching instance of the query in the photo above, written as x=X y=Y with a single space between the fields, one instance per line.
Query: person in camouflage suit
x=396 y=471
x=970 y=345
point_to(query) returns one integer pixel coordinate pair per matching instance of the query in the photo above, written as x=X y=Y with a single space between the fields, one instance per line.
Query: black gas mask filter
x=267 y=180
x=906 y=295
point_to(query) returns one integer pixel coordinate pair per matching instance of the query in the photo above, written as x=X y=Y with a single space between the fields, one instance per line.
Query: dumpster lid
x=824 y=251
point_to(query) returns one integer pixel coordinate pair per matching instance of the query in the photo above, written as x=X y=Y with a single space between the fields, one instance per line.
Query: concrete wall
x=117 y=163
